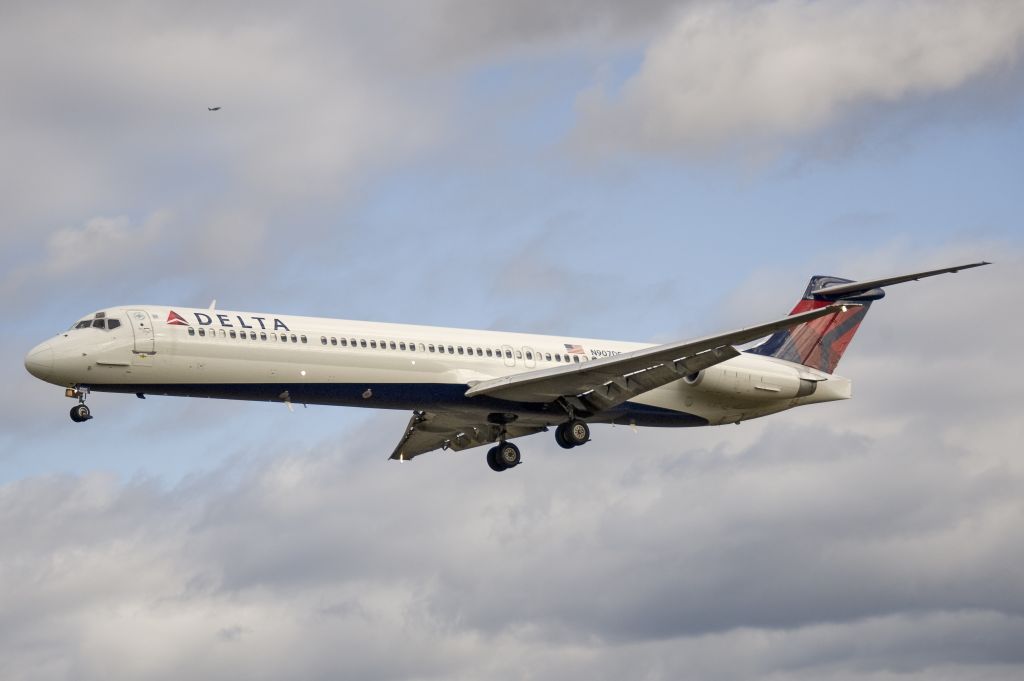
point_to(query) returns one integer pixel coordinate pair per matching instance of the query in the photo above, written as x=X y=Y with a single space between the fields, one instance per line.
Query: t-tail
x=820 y=343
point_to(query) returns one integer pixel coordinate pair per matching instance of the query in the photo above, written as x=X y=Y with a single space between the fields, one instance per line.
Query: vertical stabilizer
x=820 y=343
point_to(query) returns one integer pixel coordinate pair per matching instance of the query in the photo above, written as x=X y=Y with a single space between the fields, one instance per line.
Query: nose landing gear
x=80 y=412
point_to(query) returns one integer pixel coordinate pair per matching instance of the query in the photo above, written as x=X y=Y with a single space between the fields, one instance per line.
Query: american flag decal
x=574 y=349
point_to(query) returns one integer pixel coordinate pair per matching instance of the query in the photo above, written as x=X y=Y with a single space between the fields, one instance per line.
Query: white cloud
x=728 y=74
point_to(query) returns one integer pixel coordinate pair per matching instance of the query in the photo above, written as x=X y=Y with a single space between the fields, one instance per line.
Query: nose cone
x=39 y=361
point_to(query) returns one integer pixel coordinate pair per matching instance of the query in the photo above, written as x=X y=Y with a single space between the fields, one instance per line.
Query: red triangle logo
x=175 y=319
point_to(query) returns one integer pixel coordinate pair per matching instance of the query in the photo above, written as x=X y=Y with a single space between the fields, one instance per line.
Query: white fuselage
x=239 y=355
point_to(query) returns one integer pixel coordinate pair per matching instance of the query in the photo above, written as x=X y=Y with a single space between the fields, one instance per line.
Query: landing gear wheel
x=492 y=460
x=576 y=432
x=561 y=438
x=508 y=455
x=80 y=413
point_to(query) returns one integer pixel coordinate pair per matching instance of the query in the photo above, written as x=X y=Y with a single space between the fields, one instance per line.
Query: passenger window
x=547 y=356
x=401 y=346
x=302 y=338
x=263 y=335
x=519 y=354
x=362 y=342
x=373 y=344
x=293 y=339
x=343 y=343
x=273 y=336
x=231 y=333
x=576 y=358
x=508 y=354
x=529 y=355
x=461 y=351
x=489 y=353
x=113 y=323
x=323 y=340
x=202 y=332
x=430 y=348
x=252 y=335
x=191 y=331
x=393 y=345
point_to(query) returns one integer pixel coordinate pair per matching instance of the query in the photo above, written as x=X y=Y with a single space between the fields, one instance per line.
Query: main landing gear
x=504 y=456
x=80 y=412
x=572 y=434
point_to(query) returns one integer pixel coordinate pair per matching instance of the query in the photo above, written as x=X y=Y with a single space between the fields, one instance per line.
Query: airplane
x=468 y=388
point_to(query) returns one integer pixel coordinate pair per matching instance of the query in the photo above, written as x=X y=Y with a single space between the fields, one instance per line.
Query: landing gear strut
x=79 y=412
x=504 y=456
x=572 y=434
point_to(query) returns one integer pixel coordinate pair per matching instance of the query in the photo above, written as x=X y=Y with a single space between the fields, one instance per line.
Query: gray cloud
x=870 y=537
x=747 y=76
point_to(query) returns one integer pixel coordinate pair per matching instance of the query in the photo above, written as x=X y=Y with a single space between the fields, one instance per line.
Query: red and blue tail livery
x=820 y=343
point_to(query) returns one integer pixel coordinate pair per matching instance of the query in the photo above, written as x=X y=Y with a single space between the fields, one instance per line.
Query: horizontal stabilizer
x=855 y=287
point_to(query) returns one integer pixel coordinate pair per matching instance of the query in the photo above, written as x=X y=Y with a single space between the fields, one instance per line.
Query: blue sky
x=641 y=171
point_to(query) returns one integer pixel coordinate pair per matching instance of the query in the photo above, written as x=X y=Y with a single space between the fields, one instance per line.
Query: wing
x=430 y=430
x=600 y=384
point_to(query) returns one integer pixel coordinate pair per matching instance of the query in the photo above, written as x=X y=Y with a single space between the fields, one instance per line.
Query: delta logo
x=203 y=319
x=175 y=319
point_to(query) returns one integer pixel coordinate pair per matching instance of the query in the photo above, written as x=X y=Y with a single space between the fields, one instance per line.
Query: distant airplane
x=213 y=108
x=467 y=388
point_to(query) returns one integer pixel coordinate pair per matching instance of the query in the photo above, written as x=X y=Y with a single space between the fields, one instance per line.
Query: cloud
x=729 y=553
x=742 y=75
x=111 y=111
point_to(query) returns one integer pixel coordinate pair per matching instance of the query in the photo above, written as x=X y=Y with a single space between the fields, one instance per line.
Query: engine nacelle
x=750 y=386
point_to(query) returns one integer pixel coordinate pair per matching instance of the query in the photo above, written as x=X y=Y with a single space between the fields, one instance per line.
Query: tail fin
x=820 y=343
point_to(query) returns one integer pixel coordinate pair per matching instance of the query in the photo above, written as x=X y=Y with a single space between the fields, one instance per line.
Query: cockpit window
x=98 y=324
x=113 y=323
x=83 y=325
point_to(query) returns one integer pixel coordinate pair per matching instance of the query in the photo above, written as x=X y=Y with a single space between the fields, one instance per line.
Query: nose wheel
x=80 y=413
